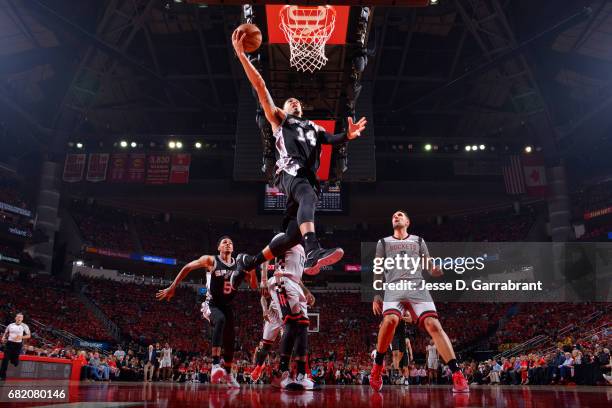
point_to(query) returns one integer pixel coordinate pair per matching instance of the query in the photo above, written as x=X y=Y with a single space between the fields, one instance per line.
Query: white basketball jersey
x=292 y=265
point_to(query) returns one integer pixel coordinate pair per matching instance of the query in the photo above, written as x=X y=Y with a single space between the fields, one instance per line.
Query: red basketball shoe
x=460 y=384
x=376 y=381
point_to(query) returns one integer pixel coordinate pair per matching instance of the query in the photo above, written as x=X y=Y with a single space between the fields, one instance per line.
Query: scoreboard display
x=330 y=199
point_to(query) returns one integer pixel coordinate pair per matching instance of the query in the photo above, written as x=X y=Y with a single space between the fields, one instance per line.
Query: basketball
x=252 y=41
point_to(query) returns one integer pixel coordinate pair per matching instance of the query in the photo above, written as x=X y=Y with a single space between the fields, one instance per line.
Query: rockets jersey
x=412 y=247
x=292 y=264
x=298 y=145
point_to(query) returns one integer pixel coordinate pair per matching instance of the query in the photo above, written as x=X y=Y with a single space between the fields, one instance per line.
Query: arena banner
x=107 y=252
x=597 y=213
x=101 y=345
x=179 y=171
x=136 y=168
x=158 y=168
x=74 y=167
x=97 y=167
x=352 y=268
x=16 y=210
x=118 y=167
x=487 y=272
x=153 y=259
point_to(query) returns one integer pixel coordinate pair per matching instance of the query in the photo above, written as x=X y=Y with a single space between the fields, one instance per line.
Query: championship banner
x=598 y=213
x=179 y=172
x=136 y=168
x=158 y=168
x=118 y=167
x=97 y=166
x=74 y=167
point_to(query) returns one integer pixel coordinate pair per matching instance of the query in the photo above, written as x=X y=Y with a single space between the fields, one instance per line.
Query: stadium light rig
x=79 y=145
x=133 y=144
x=528 y=149
x=172 y=144
x=123 y=143
x=198 y=145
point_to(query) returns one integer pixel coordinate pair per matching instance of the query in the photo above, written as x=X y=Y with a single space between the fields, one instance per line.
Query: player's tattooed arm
x=205 y=261
x=273 y=113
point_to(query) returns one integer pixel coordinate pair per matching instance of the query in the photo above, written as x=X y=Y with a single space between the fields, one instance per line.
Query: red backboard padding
x=276 y=36
x=326 y=150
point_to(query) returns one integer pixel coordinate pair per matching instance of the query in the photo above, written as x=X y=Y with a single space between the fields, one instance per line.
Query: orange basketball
x=252 y=41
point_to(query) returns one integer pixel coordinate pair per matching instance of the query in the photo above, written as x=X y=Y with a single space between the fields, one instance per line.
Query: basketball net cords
x=307 y=31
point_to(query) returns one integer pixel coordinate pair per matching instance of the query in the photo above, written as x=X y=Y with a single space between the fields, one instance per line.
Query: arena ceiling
x=463 y=70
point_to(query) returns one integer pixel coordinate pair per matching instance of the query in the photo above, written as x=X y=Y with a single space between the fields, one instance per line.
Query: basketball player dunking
x=218 y=307
x=298 y=145
x=416 y=302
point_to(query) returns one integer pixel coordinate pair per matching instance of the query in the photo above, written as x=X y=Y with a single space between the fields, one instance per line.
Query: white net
x=307 y=29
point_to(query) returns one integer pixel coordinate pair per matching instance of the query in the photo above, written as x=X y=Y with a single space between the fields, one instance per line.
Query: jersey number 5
x=227 y=287
x=310 y=135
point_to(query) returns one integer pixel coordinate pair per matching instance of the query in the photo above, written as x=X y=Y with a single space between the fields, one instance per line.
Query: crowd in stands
x=10 y=191
x=46 y=299
x=103 y=227
x=560 y=318
x=339 y=352
x=140 y=317
x=187 y=239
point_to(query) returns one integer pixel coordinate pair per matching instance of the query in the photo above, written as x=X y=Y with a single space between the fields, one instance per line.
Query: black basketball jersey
x=298 y=145
x=220 y=292
x=410 y=332
x=404 y=331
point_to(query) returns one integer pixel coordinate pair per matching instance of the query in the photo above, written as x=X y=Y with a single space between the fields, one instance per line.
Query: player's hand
x=238 y=41
x=167 y=293
x=310 y=299
x=377 y=307
x=355 y=128
x=4 y=340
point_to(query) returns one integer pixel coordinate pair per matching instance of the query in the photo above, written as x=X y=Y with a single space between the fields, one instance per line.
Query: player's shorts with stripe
x=289 y=298
x=272 y=326
x=418 y=311
x=432 y=363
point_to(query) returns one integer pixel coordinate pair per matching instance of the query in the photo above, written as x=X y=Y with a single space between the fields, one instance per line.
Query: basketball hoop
x=307 y=30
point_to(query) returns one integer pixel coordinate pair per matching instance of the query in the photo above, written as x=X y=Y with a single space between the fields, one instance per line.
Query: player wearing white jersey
x=418 y=303
x=290 y=300
x=432 y=362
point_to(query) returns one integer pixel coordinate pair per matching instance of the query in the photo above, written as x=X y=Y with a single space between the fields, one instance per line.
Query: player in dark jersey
x=298 y=144
x=217 y=308
x=401 y=348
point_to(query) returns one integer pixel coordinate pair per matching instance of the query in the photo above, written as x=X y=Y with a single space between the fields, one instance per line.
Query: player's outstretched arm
x=354 y=130
x=273 y=113
x=205 y=261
